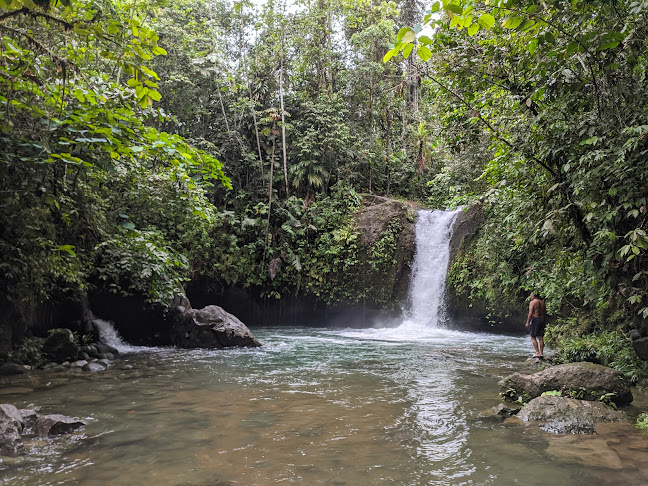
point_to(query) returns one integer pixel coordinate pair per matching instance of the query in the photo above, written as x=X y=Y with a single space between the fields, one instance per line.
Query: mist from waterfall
x=427 y=288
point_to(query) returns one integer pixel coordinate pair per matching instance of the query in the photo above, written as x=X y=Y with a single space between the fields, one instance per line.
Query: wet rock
x=210 y=327
x=568 y=410
x=29 y=417
x=59 y=345
x=94 y=367
x=11 y=369
x=104 y=362
x=84 y=356
x=502 y=410
x=585 y=428
x=106 y=349
x=585 y=381
x=55 y=424
x=11 y=425
x=640 y=346
x=90 y=351
x=79 y=364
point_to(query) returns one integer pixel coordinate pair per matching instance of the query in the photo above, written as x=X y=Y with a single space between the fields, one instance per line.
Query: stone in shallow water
x=55 y=424
x=586 y=428
x=560 y=409
x=11 y=425
x=94 y=367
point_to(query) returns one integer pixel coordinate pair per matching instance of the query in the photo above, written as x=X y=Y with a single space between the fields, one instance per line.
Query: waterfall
x=109 y=335
x=427 y=288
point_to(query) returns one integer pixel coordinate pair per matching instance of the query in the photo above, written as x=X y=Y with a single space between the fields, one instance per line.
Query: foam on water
x=109 y=335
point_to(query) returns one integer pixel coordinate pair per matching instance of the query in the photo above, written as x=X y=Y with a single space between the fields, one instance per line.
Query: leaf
x=590 y=141
x=549 y=38
x=408 y=37
x=159 y=51
x=424 y=53
x=608 y=45
x=486 y=21
x=391 y=53
x=129 y=225
x=401 y=33
x=454 y=8
x=435 y=7
x=473 y=29
x=424 y=39
x=513 y=22
x=408 y=50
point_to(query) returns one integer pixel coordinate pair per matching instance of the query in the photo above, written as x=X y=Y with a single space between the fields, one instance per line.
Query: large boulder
x=59 y=346
x=11 y=426
x=568 y=410
x=583 y=380
x=567 y=415
x=210 y=327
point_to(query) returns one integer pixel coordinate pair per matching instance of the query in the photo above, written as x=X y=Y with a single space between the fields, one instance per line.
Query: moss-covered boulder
x=60 y=346
x=583 y=380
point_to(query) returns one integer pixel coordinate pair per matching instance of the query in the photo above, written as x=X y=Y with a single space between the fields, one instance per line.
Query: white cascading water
x=109 y=335
x=427 y=288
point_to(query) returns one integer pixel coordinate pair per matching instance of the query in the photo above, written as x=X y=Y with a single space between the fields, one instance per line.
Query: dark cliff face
x=387 y=245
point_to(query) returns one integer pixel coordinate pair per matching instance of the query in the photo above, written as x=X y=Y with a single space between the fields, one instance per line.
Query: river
x=399 y=406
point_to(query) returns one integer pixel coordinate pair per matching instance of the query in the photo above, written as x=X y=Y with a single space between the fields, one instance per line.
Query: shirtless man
x=536 y=321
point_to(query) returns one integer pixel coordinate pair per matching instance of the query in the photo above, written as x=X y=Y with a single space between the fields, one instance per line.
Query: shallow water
x=405 y=406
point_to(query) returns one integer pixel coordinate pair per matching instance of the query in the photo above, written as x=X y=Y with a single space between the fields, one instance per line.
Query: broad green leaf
x=159 y=51
x=549 y=37
x=424 y=53
x=435 y=7
x=513 y=22
x=408 y=37
x=473 y=29
x=408 y=50
x=527 y=24
x=401 y=33
x=608 y=45
x=486 y=21
x=454 y=8
x=533 y=45
x=424 y=39
x=391 y=53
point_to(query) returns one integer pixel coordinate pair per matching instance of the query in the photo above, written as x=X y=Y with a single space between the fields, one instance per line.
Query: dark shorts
x=537 y=326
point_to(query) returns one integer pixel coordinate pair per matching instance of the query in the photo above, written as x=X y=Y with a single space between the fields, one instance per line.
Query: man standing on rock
x=536 y=322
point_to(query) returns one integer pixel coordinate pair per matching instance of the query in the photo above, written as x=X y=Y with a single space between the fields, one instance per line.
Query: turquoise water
x=405 y=406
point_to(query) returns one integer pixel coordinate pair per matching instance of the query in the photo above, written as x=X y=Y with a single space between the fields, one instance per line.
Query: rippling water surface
x=405 y=406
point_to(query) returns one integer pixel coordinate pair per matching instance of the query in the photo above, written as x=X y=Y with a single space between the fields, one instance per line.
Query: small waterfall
x=109 y=335
x=427 y=288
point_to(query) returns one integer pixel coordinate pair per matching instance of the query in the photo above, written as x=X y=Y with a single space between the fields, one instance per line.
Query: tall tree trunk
x=283 y=120
x=249 y=87
x=267 y=230
x=388 y=148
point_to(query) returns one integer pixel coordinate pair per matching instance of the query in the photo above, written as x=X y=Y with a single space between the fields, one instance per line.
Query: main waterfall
x=433 y=232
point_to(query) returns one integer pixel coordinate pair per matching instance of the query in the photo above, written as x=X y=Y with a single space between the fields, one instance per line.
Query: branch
x=59 y=60
x=495 y=132
x=34 y=13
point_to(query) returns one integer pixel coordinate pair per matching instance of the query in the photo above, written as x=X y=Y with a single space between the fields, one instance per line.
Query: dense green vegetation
x=148 y=146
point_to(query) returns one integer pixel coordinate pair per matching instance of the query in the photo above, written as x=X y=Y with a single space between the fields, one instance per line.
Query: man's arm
x=531 y=306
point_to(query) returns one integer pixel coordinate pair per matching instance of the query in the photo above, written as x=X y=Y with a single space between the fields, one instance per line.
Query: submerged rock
x=11 y=369
x=209 y=327
x=584 y=381
x=585 y=428
x=561 y=409
x=55 y=424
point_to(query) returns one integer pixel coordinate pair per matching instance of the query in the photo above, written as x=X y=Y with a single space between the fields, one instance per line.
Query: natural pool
x=405 y=406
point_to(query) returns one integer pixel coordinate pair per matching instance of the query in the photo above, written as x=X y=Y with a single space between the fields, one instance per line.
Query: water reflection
x=310 y=407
